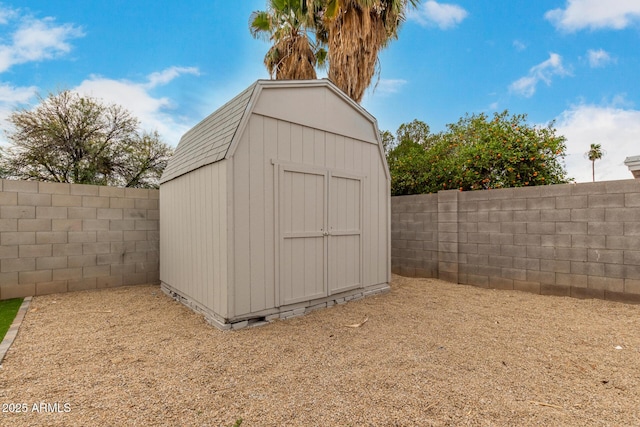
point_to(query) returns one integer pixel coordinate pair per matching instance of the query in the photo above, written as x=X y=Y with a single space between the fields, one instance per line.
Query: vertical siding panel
x=173 y=224
x=196 y=259
x=285 y=199
x=309 y=273
x=226 y=230
x=375 y=213
x=357 y=155
x=271 y=152
x=242 y=269
x=348 y=153
x=296 y=143
x=212 y=236
x=218 y=243
x=193 y=240
x=368 y=228
x=339 y=155
x=284 y=141
x=319 y=148
x=204 y=193
x=257 y=212
x=184 y=253
x=181 y=249
x=297 y=282
x=308 y=150
x=330 y=142
x=178 y=252
x=192 y=243
x=190 y=213
x=179 y=210
x=298 y=187
x=164 y=232
x=198 y=190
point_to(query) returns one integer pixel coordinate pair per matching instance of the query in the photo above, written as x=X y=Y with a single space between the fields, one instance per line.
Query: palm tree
x=294 y=55
x=355 y=32
x=595 y=153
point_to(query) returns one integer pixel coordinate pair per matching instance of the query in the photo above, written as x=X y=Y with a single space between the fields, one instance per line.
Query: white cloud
x=598 y=58
x=163 y=77
x=526 y=86
x=389 y=86
x=16 y=95
x=27 y=39
x=153 y=112
x=6 y=14
x=442 y=15
x=10 y=97
x=616 y=129
x=35 y=40
x=520 y=46
x=595 y=14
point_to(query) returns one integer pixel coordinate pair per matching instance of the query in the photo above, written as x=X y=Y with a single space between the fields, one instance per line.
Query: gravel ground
x=431 y=353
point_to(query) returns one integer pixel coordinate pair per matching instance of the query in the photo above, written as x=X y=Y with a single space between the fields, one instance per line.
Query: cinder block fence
x=580 y=240
x=65 y=237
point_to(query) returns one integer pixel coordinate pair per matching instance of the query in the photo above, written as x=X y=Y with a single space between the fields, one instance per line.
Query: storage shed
x=276 y=204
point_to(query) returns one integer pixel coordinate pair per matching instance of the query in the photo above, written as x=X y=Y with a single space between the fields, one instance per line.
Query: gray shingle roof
x=208 y=141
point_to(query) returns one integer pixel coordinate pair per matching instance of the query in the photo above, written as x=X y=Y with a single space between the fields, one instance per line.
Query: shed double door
x=320 y=233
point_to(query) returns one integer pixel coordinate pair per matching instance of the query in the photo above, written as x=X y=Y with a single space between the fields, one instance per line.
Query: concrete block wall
x=58 y=237
x=414 y=235
x=580 y=240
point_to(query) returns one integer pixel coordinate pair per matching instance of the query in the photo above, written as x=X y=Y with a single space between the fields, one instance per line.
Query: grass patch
x=8 y=310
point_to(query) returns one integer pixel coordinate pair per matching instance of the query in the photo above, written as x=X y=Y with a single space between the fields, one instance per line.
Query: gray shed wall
x=254 y=194
x=193 y=235
x=221 y=240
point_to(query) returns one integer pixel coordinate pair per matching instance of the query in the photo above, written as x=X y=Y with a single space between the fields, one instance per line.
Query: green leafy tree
x=4 y=173
x=416 y=131
x=595 y=153
x=407 y=161
x=480 y=153
x=76 y=139
x=388 y=141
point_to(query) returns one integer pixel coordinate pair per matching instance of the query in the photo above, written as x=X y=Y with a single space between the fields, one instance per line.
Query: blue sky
x=573 y=61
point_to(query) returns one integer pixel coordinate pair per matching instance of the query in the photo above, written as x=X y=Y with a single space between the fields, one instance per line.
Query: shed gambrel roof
x=208 y=141
x=213 y=138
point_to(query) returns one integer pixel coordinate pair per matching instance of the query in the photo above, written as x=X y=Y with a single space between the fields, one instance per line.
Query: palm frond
x=260 y=25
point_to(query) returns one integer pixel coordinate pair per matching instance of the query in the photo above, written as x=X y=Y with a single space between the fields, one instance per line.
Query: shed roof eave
x=233 y=112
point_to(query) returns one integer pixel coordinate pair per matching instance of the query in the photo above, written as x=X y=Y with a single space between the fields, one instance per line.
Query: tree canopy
x=478 y=153
x=287 y=24
x=76 y=139
x=352 y=31
x=357 y=30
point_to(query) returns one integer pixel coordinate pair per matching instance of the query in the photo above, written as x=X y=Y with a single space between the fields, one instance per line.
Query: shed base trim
x=282 y=313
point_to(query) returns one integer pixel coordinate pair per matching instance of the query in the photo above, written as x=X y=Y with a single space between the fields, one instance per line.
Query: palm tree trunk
x=593 y=170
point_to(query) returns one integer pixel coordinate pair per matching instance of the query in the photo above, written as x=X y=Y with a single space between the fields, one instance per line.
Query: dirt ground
x=431 y=354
